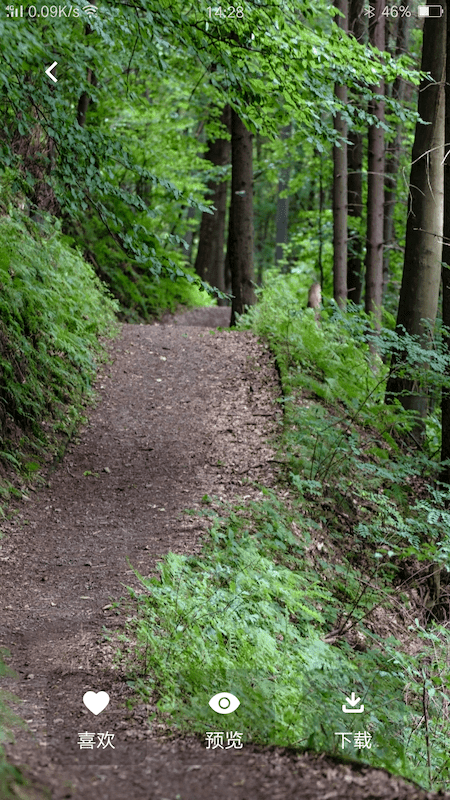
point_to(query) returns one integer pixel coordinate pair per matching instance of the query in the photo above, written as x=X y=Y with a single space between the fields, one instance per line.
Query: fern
x=52 y=310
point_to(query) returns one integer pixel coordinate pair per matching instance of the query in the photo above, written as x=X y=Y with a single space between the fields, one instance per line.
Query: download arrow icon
x=48 y=72
x=353 y=701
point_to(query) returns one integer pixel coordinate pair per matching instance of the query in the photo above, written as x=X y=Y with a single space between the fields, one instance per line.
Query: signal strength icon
x=90 y=10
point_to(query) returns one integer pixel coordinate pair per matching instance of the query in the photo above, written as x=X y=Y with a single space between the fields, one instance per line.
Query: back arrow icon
x=48 y=72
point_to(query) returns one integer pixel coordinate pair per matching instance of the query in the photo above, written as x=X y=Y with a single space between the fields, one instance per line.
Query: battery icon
x=430 y=11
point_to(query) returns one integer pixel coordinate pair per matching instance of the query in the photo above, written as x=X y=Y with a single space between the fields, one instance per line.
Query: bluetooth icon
x=369 y=11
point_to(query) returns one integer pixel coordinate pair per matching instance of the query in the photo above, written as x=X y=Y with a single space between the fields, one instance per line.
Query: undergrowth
x=53 y=309
x=248 y=615
x=141 y=295
x=322 y=590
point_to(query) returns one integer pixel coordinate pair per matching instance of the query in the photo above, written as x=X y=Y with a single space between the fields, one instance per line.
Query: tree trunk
x=320 y=231
x=85 y=99
x=356 y=25
x=419 y=292
x=282 y=205
x=355 y=210
x=340 y=187
x=375 y=182
x=227 y=279
x=392 y=156
x=445 y=433
x=189 y=235
x=355 y=244
x=209 y=263
x=240 y=230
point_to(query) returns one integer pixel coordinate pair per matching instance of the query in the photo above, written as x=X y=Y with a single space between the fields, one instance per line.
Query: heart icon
x=96 y=702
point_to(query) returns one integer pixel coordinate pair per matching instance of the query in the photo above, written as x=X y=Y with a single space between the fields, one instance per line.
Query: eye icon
x=224 y=703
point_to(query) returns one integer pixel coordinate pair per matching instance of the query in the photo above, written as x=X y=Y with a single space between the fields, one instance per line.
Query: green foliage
x=323 y=359
x=52 y=310
x=252 y=614
x=151 y=74
x=249 y=616
x=8 y=773
x=141 y=295
x=236 y=618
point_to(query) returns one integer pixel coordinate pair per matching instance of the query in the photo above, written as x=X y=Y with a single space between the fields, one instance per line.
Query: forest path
x=183 y=412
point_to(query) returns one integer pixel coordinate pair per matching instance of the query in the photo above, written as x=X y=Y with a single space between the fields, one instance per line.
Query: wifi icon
x=90 y=10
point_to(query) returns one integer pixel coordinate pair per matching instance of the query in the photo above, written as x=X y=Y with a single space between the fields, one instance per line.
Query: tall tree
x=189 y=235
x=240 y=229
x=340 y=185
x=85 y=98
x=419 y=292
x=375 y=180
x=282 y=205
x=355 y=211
x=320 y=231
x=355 y=245
x=210 y=260
x=445 y=436
x=392 y=154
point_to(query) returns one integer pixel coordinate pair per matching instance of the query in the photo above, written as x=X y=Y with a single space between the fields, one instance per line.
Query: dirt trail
x=184 y=412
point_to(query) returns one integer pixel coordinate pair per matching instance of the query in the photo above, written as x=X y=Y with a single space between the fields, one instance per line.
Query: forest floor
x=183 y=411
